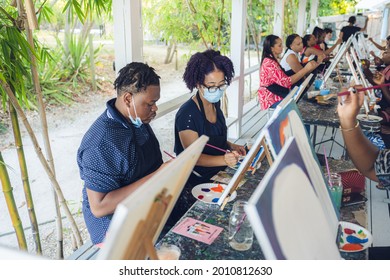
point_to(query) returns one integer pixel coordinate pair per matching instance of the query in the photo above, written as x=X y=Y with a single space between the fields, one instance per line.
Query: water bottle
x=240 y=230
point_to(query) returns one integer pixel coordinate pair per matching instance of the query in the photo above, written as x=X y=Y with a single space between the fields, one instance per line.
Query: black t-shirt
x=348 y=31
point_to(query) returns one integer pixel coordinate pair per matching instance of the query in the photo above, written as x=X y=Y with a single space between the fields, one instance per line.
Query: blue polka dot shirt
x=107 y=159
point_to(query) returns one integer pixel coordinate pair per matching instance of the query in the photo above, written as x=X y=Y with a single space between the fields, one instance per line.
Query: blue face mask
x=137 y=121
x=212 y=97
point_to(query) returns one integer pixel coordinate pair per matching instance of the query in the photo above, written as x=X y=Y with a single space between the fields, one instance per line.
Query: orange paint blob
x=352 y=247
x=218 y=188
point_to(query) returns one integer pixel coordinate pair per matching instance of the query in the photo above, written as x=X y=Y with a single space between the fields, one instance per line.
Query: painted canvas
x=139 y=219
x=286 y=213
x=289 y=124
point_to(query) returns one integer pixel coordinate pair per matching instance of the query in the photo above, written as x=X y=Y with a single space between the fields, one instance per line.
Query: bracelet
x=350 y=129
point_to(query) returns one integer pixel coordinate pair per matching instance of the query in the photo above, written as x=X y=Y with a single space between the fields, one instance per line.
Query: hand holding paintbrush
x=348 y=108
x=230 y=157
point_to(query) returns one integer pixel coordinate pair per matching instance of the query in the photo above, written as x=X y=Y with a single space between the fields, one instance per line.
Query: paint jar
x=336 y=188
x=168 y=252
x=240 y=230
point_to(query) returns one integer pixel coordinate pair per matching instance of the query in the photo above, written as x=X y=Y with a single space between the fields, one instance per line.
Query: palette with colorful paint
x=354 y=238
x=210 y=192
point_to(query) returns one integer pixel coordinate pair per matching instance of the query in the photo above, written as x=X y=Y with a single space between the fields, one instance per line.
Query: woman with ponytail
x=274 y=83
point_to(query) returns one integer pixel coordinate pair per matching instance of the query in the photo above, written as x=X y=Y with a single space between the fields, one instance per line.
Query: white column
x=385 y=24
x=313 y=14
x=301 y=25
x=128 y=38
x=235 y=92
x=278 y=18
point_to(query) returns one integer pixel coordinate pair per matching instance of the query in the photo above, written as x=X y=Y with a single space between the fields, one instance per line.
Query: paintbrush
x=193 y=171
x=362 y=89
x=217 y=148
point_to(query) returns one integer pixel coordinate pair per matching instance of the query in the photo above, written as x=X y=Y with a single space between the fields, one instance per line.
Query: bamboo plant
x=30 y=23
x=12 y=209
x=25 y=180
x=6 y=88
x=11 y=39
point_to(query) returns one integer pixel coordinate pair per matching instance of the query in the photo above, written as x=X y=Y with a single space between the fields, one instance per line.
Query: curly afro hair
x=203 y=63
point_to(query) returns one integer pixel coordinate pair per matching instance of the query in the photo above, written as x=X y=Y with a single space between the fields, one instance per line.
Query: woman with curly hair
x=209 y=73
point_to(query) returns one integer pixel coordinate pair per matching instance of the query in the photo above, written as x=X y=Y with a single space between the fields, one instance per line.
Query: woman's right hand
x=349 y=107
x=231 y=158
x=310 y=66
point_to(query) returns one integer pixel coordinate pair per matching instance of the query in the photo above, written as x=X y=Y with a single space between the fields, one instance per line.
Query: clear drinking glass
x=240 y=230
x=336 y=188
x=168 y=252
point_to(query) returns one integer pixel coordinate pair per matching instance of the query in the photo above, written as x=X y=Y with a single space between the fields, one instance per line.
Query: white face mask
x=137 y=121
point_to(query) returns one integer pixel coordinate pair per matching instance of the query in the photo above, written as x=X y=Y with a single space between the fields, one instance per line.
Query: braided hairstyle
x=269 y=42
x=203 y=63
x=135 y=77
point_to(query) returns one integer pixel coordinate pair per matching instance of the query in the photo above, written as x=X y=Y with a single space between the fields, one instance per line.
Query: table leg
x=314 y=136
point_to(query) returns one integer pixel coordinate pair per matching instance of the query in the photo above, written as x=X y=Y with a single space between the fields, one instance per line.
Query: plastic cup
x=317 y=84
x=336 y=188
x=168 y=252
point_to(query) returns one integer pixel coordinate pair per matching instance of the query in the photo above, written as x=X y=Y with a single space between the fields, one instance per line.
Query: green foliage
x=262 y=13
x=60 y=73
x=51 y=76
x=87 y=9
x=45 y=14
x=76 y=62
x=336 y=7
x=14 y=56
x=195 y=22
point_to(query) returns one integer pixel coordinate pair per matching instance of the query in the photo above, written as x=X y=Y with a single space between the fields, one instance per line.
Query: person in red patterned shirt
x=274 y=83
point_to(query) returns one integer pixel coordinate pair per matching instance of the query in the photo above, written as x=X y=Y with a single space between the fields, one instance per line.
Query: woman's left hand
x=238 y=148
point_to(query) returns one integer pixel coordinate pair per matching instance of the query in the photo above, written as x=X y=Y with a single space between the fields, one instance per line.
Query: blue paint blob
x=215 y=200
x=205 y=190
x=354 y=240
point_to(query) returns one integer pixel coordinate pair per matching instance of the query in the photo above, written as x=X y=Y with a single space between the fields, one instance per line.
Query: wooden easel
x=244 y=168
x=141 y=245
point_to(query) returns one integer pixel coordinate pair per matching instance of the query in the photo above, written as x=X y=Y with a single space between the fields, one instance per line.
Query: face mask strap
x=135 y=110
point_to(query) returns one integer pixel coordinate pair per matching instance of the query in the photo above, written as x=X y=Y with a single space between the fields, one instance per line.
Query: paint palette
x=210 y=192
x=354 y=238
